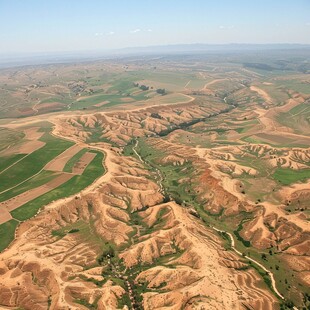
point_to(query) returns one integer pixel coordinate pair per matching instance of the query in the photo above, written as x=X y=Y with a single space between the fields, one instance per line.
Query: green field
x=296 y=84
x=71 y=187
x=9 y=137
x=60 y=99
x=173 y=98
x=297 y=118
x=7 y=231
x=289 y=176
x=121 y=86
x=33 y=163
x=276 y=93
x=73 y=160
x=7 y=161
x=42 y=178
x=113 y=100
x=275 y=141
x=175 y=81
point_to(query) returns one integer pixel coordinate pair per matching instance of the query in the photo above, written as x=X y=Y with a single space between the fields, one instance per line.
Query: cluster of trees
x=142 y=87
x=156 y=115
x=107 y=253
x=287 y=305
x=161 y=91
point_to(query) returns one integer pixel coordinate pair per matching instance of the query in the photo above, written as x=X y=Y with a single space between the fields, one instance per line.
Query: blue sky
x=77 y=25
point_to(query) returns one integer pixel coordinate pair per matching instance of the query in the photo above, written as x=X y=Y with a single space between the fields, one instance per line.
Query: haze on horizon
x=55 y=26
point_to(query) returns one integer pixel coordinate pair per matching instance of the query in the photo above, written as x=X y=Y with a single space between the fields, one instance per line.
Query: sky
x=28 y=26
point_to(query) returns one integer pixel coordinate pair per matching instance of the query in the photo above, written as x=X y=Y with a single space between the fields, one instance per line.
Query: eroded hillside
x=201 y=203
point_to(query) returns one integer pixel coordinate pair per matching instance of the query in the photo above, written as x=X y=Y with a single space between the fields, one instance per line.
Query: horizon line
x=151 y=46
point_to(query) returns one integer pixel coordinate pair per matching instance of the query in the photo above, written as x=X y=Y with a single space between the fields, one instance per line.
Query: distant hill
x=21 y=59
x=181 y=48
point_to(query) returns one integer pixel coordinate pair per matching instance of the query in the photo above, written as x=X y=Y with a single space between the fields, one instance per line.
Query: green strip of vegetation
x=114 y=99
x=7 y=233
x=288 y=176
x=250 y=139
x=42 y=178
x=7 y=161
x=73 y=160
x=264 y=275
x=246 y=243
x=86 y=304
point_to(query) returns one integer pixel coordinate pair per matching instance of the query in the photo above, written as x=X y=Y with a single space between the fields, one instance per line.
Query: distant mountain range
x=180 y=48
x=20 y=59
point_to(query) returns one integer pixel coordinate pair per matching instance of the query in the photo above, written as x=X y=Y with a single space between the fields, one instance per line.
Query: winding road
x=232 y=241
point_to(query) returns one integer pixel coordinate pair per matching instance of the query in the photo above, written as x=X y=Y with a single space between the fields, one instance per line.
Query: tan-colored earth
x=124 y=242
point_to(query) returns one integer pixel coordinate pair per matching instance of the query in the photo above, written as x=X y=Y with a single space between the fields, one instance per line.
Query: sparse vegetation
x=222 y=152
x=161 y=91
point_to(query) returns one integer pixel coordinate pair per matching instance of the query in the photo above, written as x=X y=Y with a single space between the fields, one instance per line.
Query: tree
x=144 y=87
x=161 y=91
